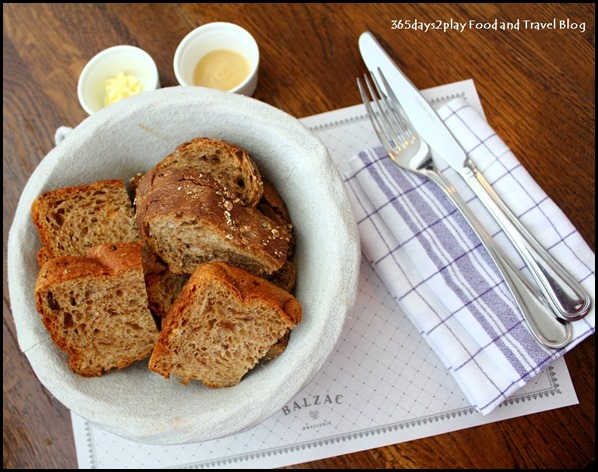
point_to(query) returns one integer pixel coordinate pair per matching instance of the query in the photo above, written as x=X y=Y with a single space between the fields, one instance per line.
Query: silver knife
x=566 y=296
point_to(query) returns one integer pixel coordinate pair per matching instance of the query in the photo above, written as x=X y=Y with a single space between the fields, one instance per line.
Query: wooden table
x=537 y=89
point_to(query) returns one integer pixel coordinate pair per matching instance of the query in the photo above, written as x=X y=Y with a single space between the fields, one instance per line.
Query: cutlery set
x=409 y=128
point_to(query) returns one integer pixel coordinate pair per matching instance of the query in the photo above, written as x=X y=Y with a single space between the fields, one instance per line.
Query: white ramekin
x=212 y=36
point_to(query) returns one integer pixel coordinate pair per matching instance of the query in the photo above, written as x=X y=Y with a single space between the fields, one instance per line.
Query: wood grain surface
x=537 y=88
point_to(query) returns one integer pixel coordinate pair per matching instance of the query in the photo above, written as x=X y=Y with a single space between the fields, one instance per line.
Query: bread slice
x=285 y=277
x=71 y=220
x=42 y=256
x=231 y=167
x=222 y=324
x=278 y=348
x=186 y=223
x=95 y=308
x=163 y=289
x=162 y=286
x=273 y=206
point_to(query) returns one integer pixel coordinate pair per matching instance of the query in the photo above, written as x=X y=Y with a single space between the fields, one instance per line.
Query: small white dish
x=106 y=65
x=212 y=37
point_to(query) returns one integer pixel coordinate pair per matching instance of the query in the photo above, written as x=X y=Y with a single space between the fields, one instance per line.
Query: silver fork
x=410 y=152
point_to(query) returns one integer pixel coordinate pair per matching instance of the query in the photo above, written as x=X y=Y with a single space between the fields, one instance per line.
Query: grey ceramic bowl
x=133 y=135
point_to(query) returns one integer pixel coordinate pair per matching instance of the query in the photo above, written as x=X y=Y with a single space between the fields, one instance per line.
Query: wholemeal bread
x=163 y=289
x=43 y=256
x=186 y=223
x=95 y=308
x=278 y=348
x=273 y=206
x=132 y=185
x=71 y=220
x=206 y=201
x=285 y=277
x=162 y=286
x=224 y=321
x=222 y=165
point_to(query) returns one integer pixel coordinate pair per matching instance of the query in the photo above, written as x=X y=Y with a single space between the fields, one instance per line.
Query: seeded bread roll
x=229 y=167
x=186 y=223
x=224 y=321
x=95 y=308
x=71 y=220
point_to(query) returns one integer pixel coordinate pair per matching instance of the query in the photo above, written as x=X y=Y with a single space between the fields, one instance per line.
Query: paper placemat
x=382 y=385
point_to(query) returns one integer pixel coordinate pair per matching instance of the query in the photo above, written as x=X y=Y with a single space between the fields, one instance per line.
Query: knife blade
x=566 y=296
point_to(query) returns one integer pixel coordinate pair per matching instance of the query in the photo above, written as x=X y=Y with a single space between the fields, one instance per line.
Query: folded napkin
x=440 y=274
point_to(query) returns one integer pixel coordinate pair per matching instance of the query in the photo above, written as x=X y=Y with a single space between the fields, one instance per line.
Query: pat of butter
x=121 y=86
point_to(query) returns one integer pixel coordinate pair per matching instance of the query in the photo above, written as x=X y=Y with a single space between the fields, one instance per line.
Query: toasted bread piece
x=273 y=206
x=278 y=348
x=224 y=321
x=162 y=290
x=42 y=256
x=186 y=223
x=71 y=220
x=162 y=286
x=285 y=277
x=231 y=167
x=132 y=184
x=95 y=308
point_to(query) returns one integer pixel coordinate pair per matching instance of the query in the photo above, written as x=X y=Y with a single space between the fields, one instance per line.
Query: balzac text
x=312 y=400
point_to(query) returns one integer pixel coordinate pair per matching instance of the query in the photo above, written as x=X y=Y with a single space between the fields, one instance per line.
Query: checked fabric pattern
x=441 y=275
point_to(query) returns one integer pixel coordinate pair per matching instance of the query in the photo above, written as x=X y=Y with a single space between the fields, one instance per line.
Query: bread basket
x=132 y=136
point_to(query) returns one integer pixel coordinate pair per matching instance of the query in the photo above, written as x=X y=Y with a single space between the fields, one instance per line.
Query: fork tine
x=394 y=125
x=378 y=128
x=390 y=132
x=388 y=119
x=398 y=113
x=383 y=113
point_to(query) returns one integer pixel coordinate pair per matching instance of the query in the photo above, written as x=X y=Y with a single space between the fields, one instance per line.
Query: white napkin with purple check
x=440 y=274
